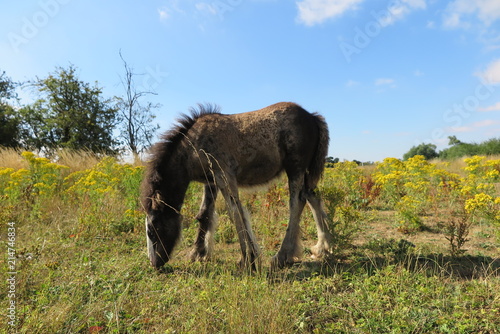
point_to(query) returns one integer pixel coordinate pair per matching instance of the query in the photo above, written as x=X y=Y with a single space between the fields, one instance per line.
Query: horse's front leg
x=204 y=243
x=249 y=247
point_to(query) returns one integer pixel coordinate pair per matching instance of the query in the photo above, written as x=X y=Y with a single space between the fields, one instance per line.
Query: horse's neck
x=175 y=188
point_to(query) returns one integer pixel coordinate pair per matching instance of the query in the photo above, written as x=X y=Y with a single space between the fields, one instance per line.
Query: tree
x=490 y=147
x=330 y=162
x=136 y=119
x=427 y=150
x=460 y=149
x=453 y=140
x=69 y=113
x=9 y=123
x=7 y=87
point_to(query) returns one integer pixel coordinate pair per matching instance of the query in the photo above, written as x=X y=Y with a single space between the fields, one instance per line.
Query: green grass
x=82 y=267
x=106 y=286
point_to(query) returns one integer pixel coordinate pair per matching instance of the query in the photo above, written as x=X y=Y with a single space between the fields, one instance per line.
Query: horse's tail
x=317 y=164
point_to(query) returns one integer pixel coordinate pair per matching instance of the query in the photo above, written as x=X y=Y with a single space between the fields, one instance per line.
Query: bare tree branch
x=136 y=119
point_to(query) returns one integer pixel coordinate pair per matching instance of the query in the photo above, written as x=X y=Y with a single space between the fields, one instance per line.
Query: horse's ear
x=156 y=201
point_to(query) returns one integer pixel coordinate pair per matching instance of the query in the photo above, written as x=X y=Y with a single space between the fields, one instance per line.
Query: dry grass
x=457 y=166
x=77 y=160
x=11 y=158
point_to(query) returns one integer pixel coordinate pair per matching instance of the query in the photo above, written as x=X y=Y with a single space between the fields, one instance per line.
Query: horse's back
x=258 y=145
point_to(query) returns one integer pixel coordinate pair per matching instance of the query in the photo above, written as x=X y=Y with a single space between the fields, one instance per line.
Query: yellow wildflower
x=478 y=202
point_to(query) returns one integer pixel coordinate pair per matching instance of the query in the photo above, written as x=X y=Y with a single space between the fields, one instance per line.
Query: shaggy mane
x=162 y=151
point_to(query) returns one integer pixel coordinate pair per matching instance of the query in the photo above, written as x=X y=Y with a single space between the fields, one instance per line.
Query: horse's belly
x=257 y=172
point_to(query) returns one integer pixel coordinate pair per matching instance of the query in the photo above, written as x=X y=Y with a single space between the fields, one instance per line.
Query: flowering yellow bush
x=484 y=206
x=10 y=181
x=478 y=202
x=104 y=188
x=107 y=179
x=42 y=179
x=348 y=178
x=415 y=186
x=486 y=169
x=96 y=193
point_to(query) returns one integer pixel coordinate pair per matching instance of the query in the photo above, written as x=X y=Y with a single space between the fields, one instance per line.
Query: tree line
x=70 y=113
x=457 y=149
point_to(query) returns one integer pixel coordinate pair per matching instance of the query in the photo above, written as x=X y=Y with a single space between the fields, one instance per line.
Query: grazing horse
x=225 y=152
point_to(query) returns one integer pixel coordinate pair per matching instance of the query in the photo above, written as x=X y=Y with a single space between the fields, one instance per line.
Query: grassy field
x=417 y=252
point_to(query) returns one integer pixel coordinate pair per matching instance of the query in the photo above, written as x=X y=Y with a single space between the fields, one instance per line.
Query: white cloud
x=491 y=38
x=384 y=81
x=416 y=3
x=418 y=73
x=494 y=107
x=492 y=73
x=206 y=8
x=454 y=20
x=457 y=13
x=485 y=123
x=173 y=8
x=164 y=13
x=313 y=12
x=489 y=10
x=352 y=83
x=399 y=9
x=475 y=126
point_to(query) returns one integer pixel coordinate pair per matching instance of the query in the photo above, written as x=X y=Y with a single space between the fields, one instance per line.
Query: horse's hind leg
x=291 y=248
x=325 y=238
x=203 y=245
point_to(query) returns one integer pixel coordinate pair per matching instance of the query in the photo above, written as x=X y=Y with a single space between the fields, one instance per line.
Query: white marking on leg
x=209 y=237
x=324 y=245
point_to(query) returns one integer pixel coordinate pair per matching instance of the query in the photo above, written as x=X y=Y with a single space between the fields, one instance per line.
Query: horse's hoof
x=201 y=256
x=250 y=265
x=320 y=252
x=279 y=262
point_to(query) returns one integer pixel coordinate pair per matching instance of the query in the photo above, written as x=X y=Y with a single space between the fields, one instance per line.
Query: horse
x=225 y=152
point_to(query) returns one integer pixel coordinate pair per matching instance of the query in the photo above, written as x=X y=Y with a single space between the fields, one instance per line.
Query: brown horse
x=226 y=152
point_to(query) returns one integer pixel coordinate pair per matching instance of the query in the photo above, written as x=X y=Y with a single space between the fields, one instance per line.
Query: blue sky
x=387 y=75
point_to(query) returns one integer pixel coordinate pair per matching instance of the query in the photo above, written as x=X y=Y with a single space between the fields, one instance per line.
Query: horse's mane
x=162 y=151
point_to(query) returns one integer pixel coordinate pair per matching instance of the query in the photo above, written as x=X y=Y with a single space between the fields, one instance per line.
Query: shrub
x=426 y=150
x=344 y=218
x=107 y=192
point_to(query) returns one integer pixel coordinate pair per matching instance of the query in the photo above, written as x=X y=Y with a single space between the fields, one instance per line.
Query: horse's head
x=163 y=189
x=163 y=228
